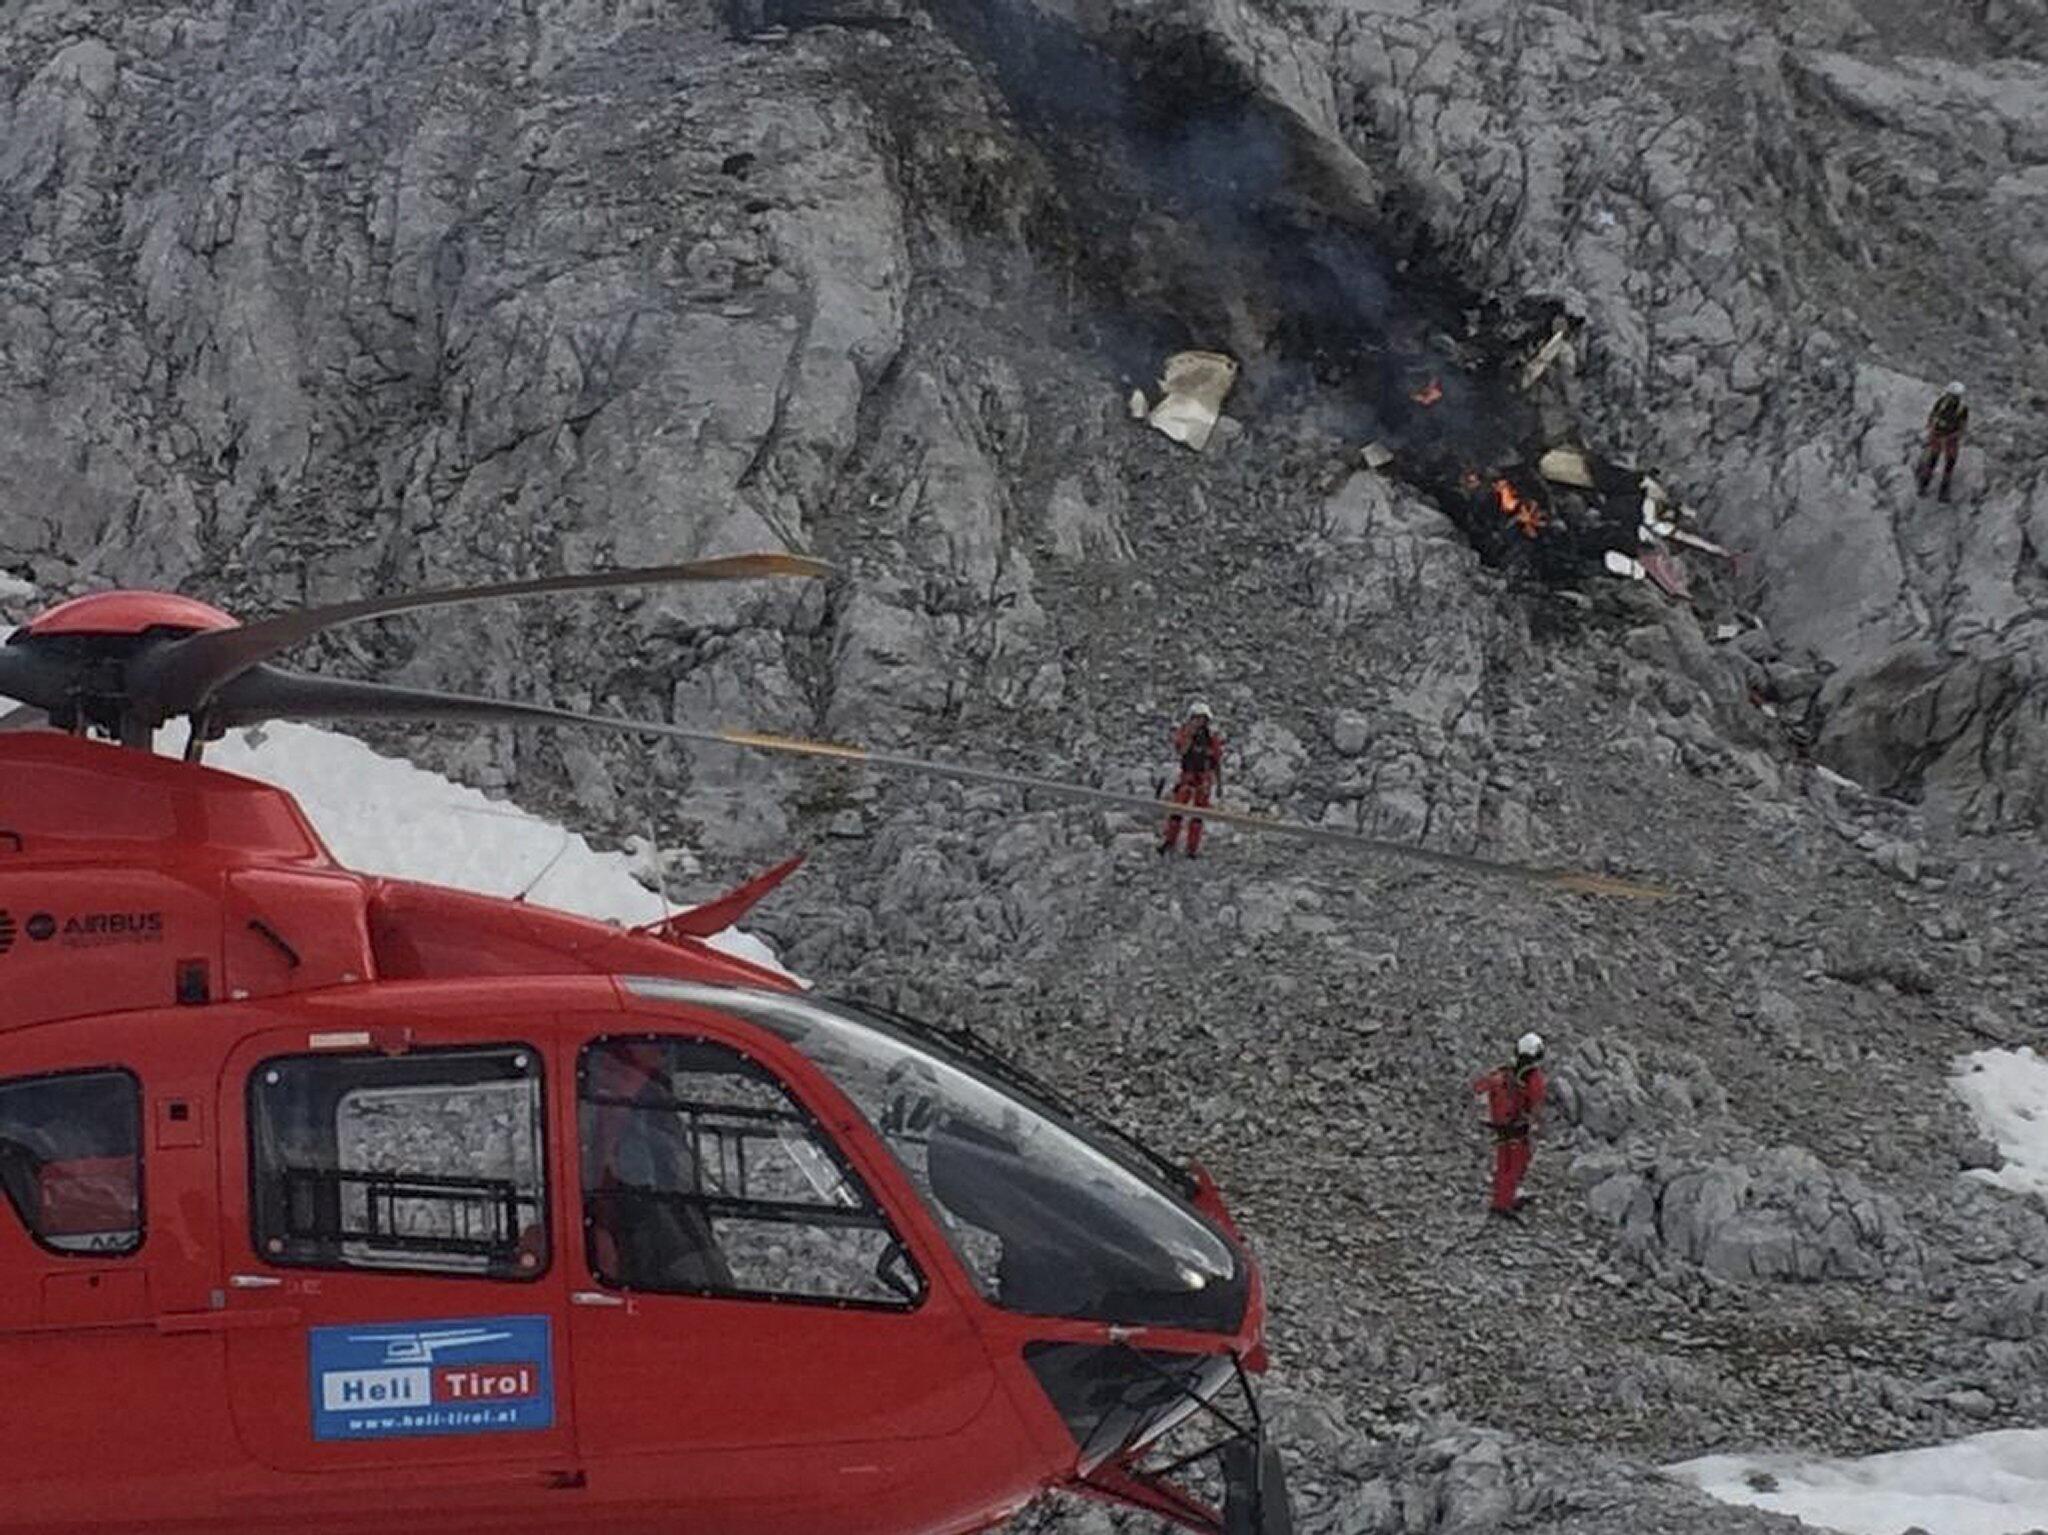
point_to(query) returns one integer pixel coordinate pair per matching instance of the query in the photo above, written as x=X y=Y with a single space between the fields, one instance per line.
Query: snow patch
x=1988 y=1484
x=381 y=815
x=2007 y=1091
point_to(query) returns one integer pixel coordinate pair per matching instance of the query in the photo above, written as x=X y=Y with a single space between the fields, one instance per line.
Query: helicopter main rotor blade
x=1562 y=879
x=179 y=677
x=275 y=693
x=272 y=693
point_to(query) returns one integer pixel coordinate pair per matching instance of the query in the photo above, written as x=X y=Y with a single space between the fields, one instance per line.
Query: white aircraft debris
x=1560 y=340
x=1619 y=564
x=1704 y=545
x=1566 y=466
x=1196 y=384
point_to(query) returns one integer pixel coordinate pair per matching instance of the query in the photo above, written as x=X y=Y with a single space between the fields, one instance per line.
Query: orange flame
x=1428 y=394
x=1518 y=509
x=1470 y=480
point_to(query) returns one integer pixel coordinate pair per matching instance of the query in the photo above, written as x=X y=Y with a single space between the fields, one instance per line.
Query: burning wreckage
x=1562 y=516
x=1558 y=515
x=1572 y=512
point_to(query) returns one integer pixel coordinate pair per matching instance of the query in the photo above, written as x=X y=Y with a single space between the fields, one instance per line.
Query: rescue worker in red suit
x=1514 y=1099
x=1945 y=425
x=1200 y=749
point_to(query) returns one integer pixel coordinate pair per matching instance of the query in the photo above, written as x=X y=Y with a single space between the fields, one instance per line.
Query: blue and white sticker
x=404 y=1380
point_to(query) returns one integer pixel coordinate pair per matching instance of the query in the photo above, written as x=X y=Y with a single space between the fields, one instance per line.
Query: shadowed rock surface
x=319 y=298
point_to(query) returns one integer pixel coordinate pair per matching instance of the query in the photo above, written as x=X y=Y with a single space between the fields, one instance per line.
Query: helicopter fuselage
x=330 y=1202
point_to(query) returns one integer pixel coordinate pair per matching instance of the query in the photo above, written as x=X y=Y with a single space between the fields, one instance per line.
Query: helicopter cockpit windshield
x=1045 y=1218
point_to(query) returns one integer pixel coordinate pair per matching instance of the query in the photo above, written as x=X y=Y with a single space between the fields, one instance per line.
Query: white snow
x=1988 y=1484
x=380 y=815
x=2007 y=1091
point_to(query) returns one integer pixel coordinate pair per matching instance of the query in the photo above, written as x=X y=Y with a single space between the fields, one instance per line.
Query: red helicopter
x=343 y=1203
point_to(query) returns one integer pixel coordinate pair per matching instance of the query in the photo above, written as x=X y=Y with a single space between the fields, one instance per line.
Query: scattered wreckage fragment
x=1625 y=566
x=1559 y=342
x=1659 y=527
x=1662 y=567
x=1704 y=545
x=1567 y=466
x=1195 y=385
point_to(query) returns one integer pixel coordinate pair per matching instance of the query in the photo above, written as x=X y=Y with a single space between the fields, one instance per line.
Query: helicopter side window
x=432 y=1161
x=1044 y=1220
x=702 y=1176
x=71 y=1160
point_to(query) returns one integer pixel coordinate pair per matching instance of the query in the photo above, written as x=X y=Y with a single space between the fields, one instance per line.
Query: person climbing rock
x=1945 y=425
x=1200 y=749
x=1514 y=1099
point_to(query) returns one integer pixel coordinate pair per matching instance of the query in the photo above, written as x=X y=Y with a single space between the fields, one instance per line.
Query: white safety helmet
x=1199 y=711
x=1955 y=387
x=1529 y=1047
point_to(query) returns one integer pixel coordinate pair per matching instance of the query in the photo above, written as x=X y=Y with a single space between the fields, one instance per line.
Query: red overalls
x=1945 y=425
x=1200 y=750
x=1514 y=1097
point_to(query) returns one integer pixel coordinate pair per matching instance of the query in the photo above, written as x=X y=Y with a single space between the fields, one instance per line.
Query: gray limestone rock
x=1784 y=1216
x=301 y=301
x=1350 y=731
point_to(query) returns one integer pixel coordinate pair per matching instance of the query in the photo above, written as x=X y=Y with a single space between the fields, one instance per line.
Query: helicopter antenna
x=527 y=889
x=660 y=868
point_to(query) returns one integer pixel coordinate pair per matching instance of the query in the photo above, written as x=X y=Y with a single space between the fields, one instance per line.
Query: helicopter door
x=91 y=1272
x=391 y=1210
x=745 y=1311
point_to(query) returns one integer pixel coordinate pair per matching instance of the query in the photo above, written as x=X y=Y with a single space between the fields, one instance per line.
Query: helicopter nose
x=1115 y=1399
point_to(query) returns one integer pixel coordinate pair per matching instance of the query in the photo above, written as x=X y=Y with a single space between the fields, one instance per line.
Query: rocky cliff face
x=1755 y=219
x=331 y=296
